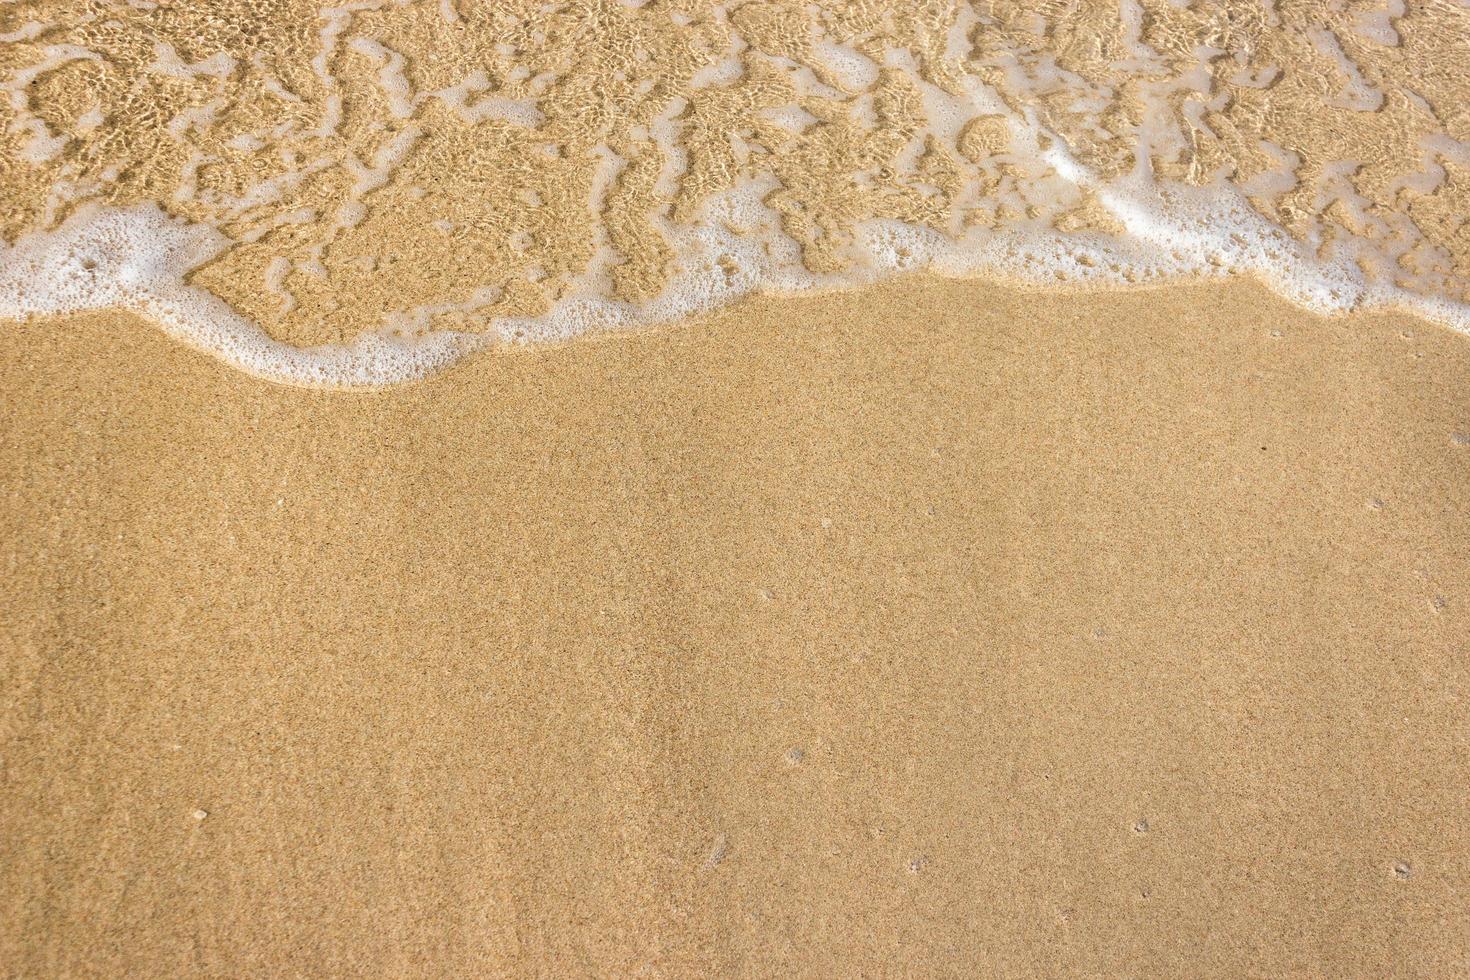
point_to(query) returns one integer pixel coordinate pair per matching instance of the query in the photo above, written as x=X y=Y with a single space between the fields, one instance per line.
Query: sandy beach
x=935 y=629
x=734 y=488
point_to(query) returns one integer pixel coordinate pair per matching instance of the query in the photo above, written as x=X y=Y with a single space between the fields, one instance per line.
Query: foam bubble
x=137 y=259
x=850 y=68
x=765 y=148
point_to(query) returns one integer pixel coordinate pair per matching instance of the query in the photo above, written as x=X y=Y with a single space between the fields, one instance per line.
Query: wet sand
x=935 y=629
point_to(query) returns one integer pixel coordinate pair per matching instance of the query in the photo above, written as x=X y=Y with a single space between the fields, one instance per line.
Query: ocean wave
x=359 y=194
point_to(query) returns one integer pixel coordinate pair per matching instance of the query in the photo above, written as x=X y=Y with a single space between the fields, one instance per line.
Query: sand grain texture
x=934 y=630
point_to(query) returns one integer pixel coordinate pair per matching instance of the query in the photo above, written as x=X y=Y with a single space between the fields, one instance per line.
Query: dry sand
x=935 y=629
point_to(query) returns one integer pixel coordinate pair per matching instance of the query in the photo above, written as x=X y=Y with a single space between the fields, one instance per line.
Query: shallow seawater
x=359 y=193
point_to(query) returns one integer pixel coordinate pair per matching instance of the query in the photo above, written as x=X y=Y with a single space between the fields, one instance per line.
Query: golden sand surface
x=943 y=627
x=932 y=630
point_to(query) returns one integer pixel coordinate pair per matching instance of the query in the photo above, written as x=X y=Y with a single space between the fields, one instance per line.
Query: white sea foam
x=1000 y=214
x=136 y=259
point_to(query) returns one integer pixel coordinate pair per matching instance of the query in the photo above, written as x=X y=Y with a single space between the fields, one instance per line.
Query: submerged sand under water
x=922 y=640
x=406 y=181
